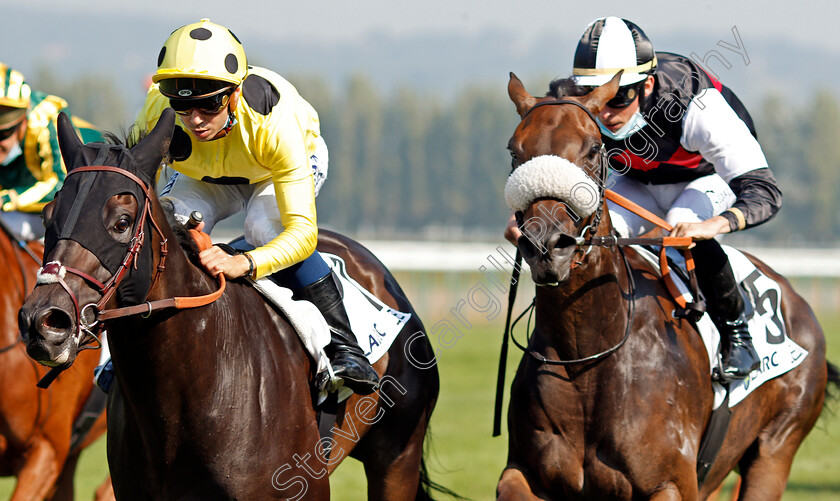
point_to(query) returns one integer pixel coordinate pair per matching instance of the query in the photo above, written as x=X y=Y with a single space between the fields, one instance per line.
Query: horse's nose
x=23 y=324
x=533 y=248
x=51 y=325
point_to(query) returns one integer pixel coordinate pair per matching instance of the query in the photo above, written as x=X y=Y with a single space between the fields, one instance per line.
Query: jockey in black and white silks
x=681 y=145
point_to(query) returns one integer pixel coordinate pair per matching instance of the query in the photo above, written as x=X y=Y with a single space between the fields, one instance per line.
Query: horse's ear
x=151 y=149
x=520 y=96
x=596 y=99
x=68 y=141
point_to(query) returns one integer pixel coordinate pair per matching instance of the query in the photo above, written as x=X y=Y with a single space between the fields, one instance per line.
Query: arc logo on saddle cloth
x=778 y=353
x=375 y=324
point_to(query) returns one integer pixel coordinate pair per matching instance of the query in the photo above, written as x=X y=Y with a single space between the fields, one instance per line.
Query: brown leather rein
x=54 y=272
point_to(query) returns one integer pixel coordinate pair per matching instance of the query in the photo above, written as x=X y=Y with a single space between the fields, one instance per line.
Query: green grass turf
x=464 y=457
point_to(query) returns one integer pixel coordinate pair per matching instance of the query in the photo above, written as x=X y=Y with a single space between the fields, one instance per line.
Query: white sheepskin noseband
x=52 y=273
x=554 y=177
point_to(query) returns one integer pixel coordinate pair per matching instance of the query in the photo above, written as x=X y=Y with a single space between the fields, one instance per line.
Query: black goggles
x=626 y=95
x=208 y=105
x=8 y=131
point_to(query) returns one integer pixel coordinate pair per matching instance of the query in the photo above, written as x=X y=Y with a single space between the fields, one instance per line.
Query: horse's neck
x=179 y=277
x=584 y=315
x=157 y=357
x=176 y=276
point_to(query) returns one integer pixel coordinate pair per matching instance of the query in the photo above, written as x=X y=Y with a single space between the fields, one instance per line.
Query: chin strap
x=231 y=121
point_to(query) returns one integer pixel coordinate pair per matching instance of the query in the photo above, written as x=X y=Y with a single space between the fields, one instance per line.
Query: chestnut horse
x=623 y=415
x=36 y=425
x=211 y=402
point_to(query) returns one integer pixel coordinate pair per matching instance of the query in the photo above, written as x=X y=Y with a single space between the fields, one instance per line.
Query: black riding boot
x=726 y=305
x=347 y=358
x=738 y=356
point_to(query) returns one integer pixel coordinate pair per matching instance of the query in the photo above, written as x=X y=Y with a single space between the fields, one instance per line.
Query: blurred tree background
x=409 y=165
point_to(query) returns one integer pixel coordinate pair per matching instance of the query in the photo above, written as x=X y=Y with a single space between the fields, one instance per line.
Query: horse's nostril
x=23 y=325
x=54 y=319
x=565 y=241
x=527 y=247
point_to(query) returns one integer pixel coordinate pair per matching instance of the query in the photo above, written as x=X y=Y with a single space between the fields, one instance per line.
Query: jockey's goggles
x=6 y=132
x=209 y=105
x=626 y=95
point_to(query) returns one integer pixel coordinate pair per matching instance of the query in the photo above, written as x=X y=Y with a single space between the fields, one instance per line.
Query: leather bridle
x=54 y=272
x=592 y=227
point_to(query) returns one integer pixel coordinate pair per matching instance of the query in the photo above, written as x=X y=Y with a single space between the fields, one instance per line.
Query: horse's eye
x=123 y=224
x=595 y=150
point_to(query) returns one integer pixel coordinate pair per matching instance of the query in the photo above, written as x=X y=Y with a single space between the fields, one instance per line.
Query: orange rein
x=682 y=243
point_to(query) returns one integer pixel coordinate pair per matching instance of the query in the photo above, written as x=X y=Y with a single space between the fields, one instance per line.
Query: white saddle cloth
x=778 y=353
x=375 y=324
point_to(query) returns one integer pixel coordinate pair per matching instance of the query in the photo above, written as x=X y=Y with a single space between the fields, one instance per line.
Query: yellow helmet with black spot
x=200 y=59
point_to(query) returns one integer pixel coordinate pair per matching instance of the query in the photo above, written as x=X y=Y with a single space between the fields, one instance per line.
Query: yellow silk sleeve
x=296 y=201
x=283 y=148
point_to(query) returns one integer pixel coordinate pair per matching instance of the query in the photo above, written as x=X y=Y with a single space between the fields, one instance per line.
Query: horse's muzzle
x=549 y=258
x=47 y=332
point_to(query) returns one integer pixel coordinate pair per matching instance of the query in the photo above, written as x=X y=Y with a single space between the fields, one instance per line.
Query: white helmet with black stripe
x=610 y=44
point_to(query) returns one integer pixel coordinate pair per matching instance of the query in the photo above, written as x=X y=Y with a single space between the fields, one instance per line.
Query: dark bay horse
x=626 y=423
x=36 y=425
x=212 y=402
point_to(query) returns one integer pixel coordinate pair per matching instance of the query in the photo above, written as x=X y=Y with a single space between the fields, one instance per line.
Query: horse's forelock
x=129 y=138
x=119 y=147
x=565 y=87
x=554 y=177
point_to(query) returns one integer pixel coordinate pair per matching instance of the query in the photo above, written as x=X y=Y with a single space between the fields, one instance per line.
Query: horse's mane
x=565 y=87
x=130 y=138
x=182 y=234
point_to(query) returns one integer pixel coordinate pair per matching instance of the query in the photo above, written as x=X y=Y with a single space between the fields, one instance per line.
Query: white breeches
x=692 y=201
x=217 y=202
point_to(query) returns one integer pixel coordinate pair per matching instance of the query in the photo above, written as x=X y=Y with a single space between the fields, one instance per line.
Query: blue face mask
x=635 y=124
x=13 y=154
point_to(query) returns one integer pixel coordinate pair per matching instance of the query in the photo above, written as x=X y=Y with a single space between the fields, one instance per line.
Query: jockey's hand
x=704 y=230
x=512 y=231
x=216 y=261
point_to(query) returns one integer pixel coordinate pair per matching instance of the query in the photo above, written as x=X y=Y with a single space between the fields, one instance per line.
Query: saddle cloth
x=374 y=323
x=778 y=353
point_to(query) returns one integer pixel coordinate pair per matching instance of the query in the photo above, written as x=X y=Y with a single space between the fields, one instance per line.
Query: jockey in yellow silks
x=246 y=140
